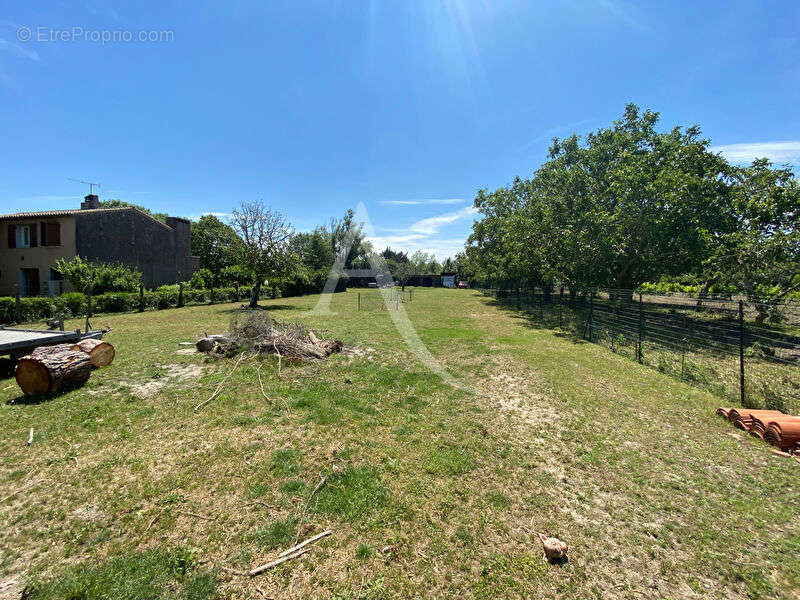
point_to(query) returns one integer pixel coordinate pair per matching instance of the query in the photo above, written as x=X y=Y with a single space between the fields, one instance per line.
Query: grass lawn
x=431 y=491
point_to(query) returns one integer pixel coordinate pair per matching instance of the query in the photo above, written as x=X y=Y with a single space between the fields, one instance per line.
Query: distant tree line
x=630 y=204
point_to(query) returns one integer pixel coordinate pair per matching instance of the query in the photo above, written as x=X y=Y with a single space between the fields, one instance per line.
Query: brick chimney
x=90 y=201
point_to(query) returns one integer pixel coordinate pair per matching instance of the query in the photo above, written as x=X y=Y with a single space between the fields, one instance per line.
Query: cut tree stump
x=101 y=353
x=50 y=369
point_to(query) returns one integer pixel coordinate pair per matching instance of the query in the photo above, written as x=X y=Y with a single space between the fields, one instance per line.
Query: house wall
x=40 y=257
x=159 y=251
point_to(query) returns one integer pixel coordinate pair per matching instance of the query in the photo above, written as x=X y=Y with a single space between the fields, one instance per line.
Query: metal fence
x=745 y=351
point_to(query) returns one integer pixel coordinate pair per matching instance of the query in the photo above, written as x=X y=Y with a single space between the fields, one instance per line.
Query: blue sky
x=410 y=107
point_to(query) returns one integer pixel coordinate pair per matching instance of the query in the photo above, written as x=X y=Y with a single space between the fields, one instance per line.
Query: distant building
x=425 y=280
x=126 y=235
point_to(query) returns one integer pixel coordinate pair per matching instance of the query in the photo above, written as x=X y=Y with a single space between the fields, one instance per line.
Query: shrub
x=166 y=299
x=114 y=302
x=72 y=303
x=201 y=279
x=97 y=276
x=37 y=308
x=7 y=310
x=192 y=296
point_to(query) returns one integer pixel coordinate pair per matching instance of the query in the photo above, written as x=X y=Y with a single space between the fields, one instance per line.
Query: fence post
x=211 y=294
x=359 y=300
x=180 y=294
x=89 y=305
x=141 y=297
x=18 y=306
x=541 y=307
x=741 y=352
x=641 y=328
x=591 y=316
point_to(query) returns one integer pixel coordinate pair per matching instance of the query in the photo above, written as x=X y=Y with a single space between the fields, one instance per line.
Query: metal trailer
x=19 y=342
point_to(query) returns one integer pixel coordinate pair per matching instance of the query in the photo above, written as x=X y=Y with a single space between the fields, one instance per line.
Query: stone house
x=126 y=235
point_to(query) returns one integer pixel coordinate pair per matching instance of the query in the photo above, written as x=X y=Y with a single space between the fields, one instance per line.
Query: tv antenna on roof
x=89 y=183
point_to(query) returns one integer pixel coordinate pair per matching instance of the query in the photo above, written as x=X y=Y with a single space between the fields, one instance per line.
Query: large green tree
x=216 y=244
x=628 y=204
x=758 y=249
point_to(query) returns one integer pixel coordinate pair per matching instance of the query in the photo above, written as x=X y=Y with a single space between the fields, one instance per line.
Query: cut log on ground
x=207 y=344
x=48 y=350
x=101 y=353
x=48 y=370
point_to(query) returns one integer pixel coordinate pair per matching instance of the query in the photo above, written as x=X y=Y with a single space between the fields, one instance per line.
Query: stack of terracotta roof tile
x=784 y=433
x=773 y=426
x=743 y=418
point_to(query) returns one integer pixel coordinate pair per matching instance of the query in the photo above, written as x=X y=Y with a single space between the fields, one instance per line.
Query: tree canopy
x=215 y=243
x=631 y=204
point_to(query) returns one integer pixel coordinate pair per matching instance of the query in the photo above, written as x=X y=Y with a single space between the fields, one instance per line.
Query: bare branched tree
x=266 y=250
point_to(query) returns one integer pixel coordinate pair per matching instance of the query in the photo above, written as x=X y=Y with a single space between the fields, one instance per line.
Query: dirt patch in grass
x=164 y=375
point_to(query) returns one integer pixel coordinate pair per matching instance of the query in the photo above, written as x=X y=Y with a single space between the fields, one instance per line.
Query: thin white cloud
x=441 y=248
x=423 y=201
x=431 y=225
x=777 y=152
x=424 y=235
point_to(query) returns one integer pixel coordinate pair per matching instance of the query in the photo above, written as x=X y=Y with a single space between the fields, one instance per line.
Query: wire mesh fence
x=745 y=351
x=372 y=299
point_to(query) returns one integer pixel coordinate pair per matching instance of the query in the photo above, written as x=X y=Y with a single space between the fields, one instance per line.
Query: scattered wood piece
x=779 y=452
x=153 y=520
x=260 y=384
x=276 y=562
x=310 y=540
x=319 y=485
x=30 y=437
x=221 y=383
x=101 y=354
x=279 y=357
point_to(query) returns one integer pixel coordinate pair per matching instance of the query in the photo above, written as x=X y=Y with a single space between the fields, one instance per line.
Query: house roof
x=44 y=214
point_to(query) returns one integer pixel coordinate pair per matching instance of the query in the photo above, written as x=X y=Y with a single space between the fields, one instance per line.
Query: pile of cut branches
x=256 y=331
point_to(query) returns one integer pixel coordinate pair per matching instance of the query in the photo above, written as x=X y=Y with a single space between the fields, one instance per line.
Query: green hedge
x=74 y=304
